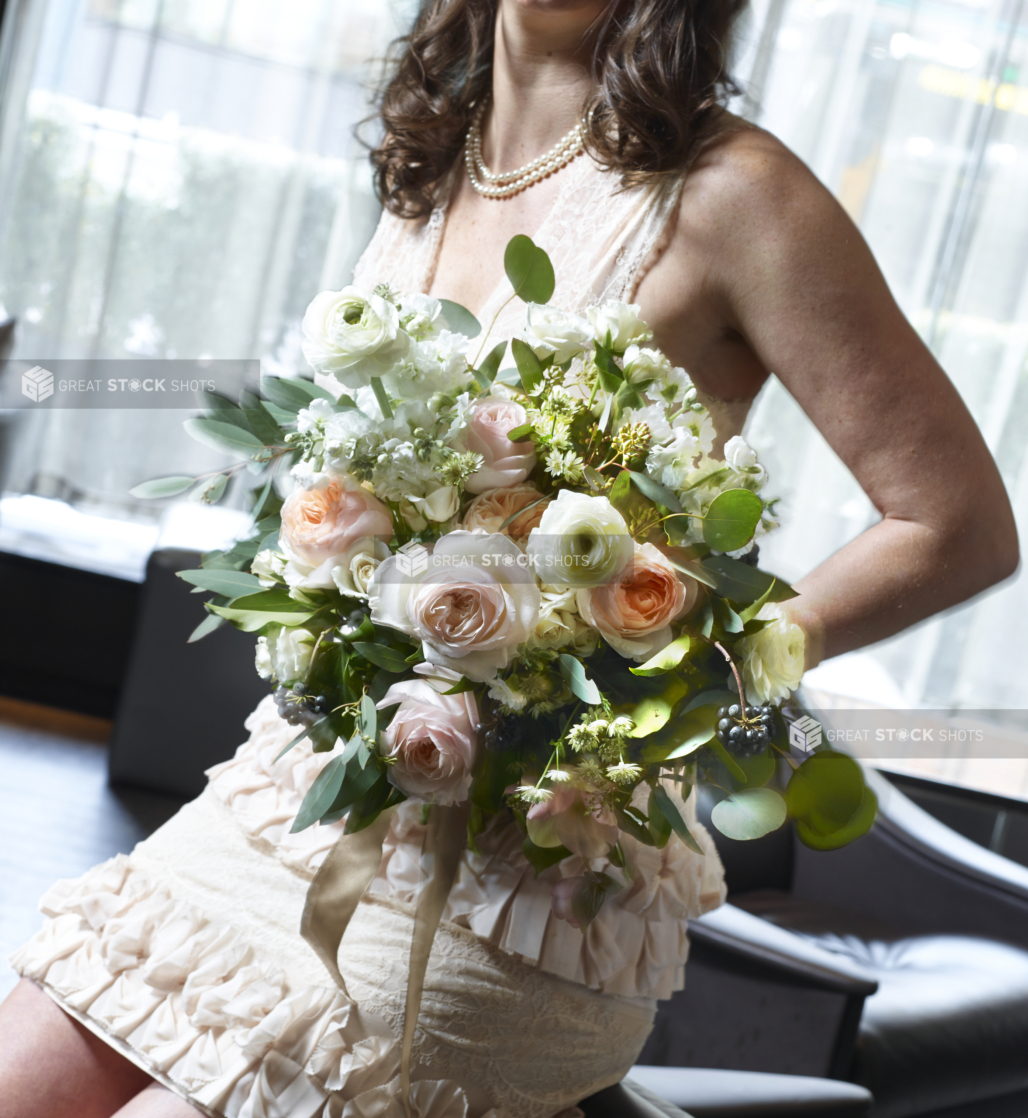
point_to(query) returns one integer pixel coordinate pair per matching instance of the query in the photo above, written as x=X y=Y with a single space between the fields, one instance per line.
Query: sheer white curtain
x=177 y=178
x=916 y=117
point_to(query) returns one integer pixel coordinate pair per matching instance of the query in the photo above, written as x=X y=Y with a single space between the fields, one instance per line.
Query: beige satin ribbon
x=346 y=873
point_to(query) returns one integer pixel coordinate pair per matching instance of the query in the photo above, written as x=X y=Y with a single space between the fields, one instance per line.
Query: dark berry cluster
x=503 y=734
x=745 y=732
x=297 y=707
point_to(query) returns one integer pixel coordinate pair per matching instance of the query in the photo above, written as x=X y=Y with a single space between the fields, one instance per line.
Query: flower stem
x=382 y=398
x=735 y=671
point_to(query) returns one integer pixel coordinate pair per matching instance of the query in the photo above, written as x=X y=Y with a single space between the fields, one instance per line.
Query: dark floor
x=58 y=817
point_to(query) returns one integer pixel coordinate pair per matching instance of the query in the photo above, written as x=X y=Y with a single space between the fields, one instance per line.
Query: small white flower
x=269 y=567
x=533 y=795
x=310 y=418
x=286 y=652
x=739 y=454
x=501 y=692
x=654 y=416
x=558 y=776
x=624 y=772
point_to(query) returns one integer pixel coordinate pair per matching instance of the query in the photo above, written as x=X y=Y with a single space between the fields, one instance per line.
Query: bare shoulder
x=752 y=211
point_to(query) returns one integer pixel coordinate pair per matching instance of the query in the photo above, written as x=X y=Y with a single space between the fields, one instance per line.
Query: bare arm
x=796 y=291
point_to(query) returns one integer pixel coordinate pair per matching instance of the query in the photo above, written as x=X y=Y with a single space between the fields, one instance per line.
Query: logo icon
x=412 y=559
x=37 y=383
x=805 y=733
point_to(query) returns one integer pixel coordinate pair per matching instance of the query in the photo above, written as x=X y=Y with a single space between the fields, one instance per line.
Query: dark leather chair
x=899 y=962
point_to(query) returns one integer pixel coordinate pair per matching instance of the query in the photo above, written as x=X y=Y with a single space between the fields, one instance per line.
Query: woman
x=742 y=264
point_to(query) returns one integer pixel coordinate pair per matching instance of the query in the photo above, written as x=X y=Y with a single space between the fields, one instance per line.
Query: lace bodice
x=601 y=239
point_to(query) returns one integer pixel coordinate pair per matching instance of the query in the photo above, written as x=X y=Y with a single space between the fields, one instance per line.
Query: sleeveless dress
x=186 y=957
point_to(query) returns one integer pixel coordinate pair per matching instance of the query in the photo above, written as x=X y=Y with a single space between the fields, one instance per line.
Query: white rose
x=642 y=365
x=268 y=566
x=439 y=505
x=773 y=659
x=352 y=336
x=553 y=332
x=622 y=322
x=739 y=454
x=353 y=571
x=580 y=541
x=471 y=606
x=285 y=654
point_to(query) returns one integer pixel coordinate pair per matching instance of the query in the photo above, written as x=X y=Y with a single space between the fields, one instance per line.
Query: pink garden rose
x=566 y=819
x=506 y=463
x=318 y=524
x=471 y=605
x=433 y=739
x=490 y=509
x=633 y=613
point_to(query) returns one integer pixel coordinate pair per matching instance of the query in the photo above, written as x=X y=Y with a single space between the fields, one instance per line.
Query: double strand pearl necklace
x=508 y=183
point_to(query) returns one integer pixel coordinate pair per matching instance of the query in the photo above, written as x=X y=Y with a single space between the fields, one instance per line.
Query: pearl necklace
x=508 y=183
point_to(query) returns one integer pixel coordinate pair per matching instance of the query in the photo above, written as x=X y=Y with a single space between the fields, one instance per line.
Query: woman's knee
x=50 y=1064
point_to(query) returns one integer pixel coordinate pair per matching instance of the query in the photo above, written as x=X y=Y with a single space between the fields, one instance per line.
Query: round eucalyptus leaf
x=749 y=813
x=825 y=791
x=732 y=519
x=529 y=270
x=859 y=825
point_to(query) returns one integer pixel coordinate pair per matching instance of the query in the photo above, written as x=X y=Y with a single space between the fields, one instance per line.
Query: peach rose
x=506 y=463
x=432 y=739
x=318 y=524
x=633 y=613
x=490 y=509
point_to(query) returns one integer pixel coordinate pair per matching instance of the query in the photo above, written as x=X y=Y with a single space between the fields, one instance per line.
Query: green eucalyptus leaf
x=293 y=393
x=263 y=424
x=660 y=827
x=233 y=584
x=225 y=437
x=669 y=809
x=459 y=319
x=161 y=487
x=530 y=368
x=858 y=826
x=826 y=791
x=667 y=659
x=296 y=741
x=529 y=270
x=367 y=720
x=634 y=823
x=382 y=656
x=485 y=374
x=211 y=622
x=582 y=686
x=321 y=796
x=653 y=711
x=743 y=584
x=749 y=813
x=731 y=519
x=659 y=494
x=368 y=807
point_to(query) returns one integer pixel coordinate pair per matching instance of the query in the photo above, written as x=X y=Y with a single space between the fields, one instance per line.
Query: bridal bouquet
x=528 y=588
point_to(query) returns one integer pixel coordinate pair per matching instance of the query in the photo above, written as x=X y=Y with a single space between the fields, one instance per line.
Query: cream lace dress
x=185 y=955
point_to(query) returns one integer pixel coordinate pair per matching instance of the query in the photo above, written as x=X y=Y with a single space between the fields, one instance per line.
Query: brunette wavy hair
x=660 y=68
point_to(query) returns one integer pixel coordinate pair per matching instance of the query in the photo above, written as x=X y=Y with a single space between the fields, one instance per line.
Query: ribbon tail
x=445 y=839
x=337 y=888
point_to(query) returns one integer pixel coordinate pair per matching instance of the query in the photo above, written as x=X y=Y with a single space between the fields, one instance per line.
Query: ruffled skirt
x=185 y=957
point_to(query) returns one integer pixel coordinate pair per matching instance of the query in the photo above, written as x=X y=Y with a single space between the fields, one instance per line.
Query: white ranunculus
x=553 y=332
x=642 y=365
x=773 y=659
x=268 y=566
x=285 y=654
x=622 y=322
x=353 y=571
x=471 y=606
x=439 y=505
x=739 y=454
x=580 y=541
x=352 y=337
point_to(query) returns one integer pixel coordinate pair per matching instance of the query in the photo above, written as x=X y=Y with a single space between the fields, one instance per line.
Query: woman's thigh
x=52 y=1066
x=158 y=1102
